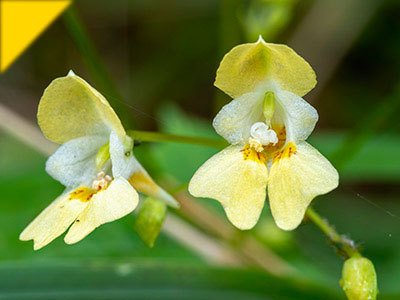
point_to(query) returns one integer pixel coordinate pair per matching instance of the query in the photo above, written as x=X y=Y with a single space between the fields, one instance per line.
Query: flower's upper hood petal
x=124 y=164
x=235 y=119
x=238 y=183
x=71 y=108
x=118 y=200
x=248 y=66
x=73 y=163
x=295 y=179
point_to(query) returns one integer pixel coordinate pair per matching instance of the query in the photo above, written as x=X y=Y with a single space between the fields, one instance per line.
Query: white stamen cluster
x=261 y=135
x=101 y=181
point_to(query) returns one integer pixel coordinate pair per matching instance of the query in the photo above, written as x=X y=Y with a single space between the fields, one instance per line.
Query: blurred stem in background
x=230 y=34
x=149 y=136
x=95 y=65
x=266 y=17
x=345 y=246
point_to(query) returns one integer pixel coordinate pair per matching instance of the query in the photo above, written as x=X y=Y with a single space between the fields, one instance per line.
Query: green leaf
x=147 y=280
x=375 y=161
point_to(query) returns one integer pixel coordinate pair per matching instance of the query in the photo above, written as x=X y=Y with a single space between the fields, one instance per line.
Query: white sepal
x=123 y=161
x=235 y=119
x=73 y=163
x=298 y=115
x=125 y=164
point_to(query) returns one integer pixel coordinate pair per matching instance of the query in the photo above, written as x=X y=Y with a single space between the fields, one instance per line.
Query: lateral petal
x=118 y=200
x=238 y=183
x=298 y=174
x=53 y=221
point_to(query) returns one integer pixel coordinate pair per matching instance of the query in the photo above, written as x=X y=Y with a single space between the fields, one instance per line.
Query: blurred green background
x=155 y=61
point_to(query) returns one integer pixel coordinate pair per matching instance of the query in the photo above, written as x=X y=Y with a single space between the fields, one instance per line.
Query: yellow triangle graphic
x=21 y=22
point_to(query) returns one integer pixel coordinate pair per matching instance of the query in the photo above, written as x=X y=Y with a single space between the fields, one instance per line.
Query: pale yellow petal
x=53 y=221
x=238 y=183
x=118 y=200
x=297 y=176
x=248 y=67
x=71 y=108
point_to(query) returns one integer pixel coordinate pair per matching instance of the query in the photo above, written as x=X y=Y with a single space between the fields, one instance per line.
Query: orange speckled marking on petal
x=281 y=134
x=83 y=194
x=252 y=154
x=287 y=152
x=269 y=151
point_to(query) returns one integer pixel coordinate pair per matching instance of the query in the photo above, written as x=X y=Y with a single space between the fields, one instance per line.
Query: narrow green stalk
x=94 y=63
x=148 y=136
x=342 y=243
x=230 y=34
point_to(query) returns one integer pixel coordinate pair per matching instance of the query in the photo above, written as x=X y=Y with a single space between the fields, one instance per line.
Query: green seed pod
x=359 y=279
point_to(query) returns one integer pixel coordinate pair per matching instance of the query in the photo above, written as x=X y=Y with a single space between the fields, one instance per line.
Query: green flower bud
x=359 y=279
x=150 y=219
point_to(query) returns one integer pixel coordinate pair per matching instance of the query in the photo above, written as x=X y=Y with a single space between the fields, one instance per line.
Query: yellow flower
x=266 y=124
x=95 y=163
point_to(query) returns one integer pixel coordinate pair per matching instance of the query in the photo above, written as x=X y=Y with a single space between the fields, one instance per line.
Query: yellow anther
x=269 y=106
x=102 y=156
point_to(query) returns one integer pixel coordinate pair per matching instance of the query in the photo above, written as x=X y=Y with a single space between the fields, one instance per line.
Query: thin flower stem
x=94 y=63
x=148 y=136
x=344 y=245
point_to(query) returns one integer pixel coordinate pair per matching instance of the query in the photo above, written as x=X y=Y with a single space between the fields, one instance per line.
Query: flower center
x=262 y=135
x=85 y=194
x=101 y=181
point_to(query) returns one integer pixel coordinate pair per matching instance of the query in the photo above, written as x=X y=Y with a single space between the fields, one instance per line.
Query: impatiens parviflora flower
x=95 y=163
x=359 y=279
x=266 y=124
